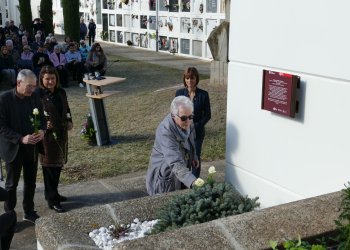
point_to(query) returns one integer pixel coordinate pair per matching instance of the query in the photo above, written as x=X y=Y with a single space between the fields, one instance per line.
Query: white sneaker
x=81 y=85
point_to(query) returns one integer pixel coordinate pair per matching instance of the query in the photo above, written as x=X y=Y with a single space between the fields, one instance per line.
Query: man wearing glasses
x=173 y=155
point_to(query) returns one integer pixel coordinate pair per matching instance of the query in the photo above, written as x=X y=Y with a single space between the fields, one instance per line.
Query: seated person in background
x=23 y=44
x=12 y=50
x=173 y=154
x=53 y=43
x=59 y=61
x=84 y=50
x=7 y=67
x=65 y=45
x=25 y=62
x=40 y=59
x=37 y=42
x=24 y=41
x=8 y=222
x=29 y=37
x=96 y=61
x=74 y=64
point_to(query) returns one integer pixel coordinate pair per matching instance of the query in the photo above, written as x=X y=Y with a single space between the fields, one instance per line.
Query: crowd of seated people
x=20 y=50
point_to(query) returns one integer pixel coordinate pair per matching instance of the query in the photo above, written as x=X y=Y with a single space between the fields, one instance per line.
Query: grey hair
x=180 y=101
x=57 y=46
x=26 y=73
x=9 y=42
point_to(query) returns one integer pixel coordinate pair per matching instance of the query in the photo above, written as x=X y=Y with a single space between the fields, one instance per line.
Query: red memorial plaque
x=279 y=92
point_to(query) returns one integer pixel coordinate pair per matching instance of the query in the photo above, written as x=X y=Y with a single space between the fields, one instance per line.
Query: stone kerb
x=307 y=218
x=253 y=230
x=70 y=230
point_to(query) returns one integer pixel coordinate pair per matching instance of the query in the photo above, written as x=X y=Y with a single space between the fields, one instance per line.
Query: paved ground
x=99 y=192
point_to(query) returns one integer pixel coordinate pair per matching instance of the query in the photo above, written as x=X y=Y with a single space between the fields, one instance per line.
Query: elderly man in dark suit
x=7 y=224
x=22 y=127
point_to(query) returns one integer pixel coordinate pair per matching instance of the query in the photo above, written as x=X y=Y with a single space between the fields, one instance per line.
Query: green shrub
x=297 y=245
x=201 y=204
x=343 y=221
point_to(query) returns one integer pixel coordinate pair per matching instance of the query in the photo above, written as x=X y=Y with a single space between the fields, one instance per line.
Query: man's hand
x=38 y=136
x=29 y=139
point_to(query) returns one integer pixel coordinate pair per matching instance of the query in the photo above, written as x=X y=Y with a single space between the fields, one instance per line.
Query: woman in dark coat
x=201 y=105
x=55 y=143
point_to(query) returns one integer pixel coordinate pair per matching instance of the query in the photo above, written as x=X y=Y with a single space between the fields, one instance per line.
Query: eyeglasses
x=184 y=117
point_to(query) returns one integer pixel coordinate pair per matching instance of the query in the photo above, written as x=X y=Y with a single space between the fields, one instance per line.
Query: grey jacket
x=171 y=158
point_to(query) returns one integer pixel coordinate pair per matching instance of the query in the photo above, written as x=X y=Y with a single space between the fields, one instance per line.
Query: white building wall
x=283 y=159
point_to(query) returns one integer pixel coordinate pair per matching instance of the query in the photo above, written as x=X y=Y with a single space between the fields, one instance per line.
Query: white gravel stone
x=104 y=236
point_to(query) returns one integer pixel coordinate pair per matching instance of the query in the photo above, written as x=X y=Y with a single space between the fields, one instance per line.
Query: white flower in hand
x=68 y=116
x=212 y=170
x=46 y=114
x=199 y=182
x=35 y=111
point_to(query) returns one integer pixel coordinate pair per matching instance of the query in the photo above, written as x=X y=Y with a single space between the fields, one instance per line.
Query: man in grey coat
x=173 y=154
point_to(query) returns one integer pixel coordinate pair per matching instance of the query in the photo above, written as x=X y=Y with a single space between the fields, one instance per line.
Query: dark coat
x=11 y=122
x=7 y=62
x=36 y=57
x=92 y=28
x=55 y=142
x=201 y=109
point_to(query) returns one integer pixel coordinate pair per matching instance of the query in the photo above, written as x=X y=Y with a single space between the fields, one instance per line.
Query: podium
x=97 y=108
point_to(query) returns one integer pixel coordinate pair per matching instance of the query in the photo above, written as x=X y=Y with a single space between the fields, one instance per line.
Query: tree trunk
x=25 y=12
x=46 y=14
x=71 y=18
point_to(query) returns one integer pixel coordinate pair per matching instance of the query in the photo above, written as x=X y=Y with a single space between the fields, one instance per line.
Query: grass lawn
x=133 y=117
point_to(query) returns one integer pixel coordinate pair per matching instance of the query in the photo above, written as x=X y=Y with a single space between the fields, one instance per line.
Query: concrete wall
x=283 y=159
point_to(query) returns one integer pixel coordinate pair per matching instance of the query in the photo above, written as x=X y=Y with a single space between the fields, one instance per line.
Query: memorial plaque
x=279 y=92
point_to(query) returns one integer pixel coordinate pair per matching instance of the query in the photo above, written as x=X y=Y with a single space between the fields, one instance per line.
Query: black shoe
x=31 y=216
x=62 y=198
x=58 y=208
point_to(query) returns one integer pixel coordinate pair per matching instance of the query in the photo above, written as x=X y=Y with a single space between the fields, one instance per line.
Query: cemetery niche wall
x=183 y=25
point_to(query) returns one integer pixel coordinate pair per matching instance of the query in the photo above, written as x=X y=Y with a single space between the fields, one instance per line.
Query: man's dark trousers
x=26 y=158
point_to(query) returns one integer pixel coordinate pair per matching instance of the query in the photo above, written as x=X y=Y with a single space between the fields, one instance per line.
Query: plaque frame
x=279 y=93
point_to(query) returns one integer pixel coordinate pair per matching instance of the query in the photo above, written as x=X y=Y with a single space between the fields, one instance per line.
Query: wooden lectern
x=97 y=108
